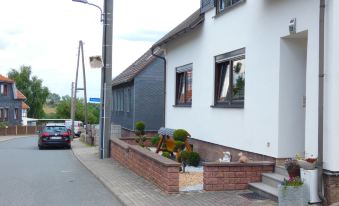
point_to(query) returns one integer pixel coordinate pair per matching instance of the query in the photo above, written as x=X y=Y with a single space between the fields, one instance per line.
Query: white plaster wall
x=257 y=25
x=331 y=102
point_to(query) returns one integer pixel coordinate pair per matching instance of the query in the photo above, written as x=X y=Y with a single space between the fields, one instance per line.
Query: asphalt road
x=32 y=177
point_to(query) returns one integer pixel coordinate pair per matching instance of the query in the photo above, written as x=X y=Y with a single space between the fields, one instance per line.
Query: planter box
x=292 y=196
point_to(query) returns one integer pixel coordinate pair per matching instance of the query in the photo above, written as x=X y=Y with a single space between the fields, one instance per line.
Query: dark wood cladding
x=206 y=5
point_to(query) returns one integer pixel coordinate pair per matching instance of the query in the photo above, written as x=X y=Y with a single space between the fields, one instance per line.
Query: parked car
x=54 y=135
x=78 y=127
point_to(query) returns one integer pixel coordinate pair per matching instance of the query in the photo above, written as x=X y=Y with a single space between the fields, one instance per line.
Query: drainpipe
x=321 y=101
x=165 y=63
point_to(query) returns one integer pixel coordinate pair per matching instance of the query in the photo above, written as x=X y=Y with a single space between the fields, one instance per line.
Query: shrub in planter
x=155 y=140
x=292 y=168
x=194 y=159
x=180 y=135
x=292 y=192
x=166 y=154
x=140 y=132
x=179 y=145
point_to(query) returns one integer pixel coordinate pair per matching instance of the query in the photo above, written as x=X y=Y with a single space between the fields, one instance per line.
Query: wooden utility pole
x=74 y=97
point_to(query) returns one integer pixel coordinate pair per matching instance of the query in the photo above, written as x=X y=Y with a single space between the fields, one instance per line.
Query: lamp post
x=106 y=75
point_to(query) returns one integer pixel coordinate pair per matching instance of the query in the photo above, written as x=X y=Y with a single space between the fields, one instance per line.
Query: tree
x=32 y=88
x=53 y=99
x=63 y=110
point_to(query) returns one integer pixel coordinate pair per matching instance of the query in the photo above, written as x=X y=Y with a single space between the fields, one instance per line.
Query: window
x=224 y=4
x=1 y=114
x=5 y=114
x=16 y=113
x=230 y=79
x=184 y=85
x=128 y=100
x=3 y=90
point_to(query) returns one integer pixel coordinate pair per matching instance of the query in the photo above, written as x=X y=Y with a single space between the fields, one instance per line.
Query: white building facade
x=269 y=104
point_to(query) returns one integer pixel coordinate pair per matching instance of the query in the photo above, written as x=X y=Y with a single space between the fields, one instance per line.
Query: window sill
x=182 y=105
x=231 y=106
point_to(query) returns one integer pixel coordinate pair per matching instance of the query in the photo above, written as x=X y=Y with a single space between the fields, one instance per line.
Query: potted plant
x=292 y=192
x=292 y=168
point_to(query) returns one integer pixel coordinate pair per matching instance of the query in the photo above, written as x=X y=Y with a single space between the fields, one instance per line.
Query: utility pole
x=72 y=108
x=106 y=80
x=74 y=97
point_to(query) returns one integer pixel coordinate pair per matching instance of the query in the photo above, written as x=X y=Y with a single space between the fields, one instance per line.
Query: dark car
x=54 y=135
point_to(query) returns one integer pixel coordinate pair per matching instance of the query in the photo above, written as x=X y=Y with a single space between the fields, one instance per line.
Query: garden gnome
x=226 y=158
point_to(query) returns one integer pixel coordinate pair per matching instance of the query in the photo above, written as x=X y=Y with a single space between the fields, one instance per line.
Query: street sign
x=94 y=100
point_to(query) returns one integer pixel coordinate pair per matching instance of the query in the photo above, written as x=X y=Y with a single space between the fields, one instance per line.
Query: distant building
x=12 y=105
x=138 y=94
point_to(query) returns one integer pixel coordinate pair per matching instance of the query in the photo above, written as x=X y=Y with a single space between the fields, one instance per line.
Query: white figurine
x=227 y=157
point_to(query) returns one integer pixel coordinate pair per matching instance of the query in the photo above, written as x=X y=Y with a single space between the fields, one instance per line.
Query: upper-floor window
x=224 y=4
x=4 y=89
x=184 y=85
x=230 y=79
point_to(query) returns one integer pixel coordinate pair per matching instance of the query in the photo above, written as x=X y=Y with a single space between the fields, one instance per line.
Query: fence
x=19 y=130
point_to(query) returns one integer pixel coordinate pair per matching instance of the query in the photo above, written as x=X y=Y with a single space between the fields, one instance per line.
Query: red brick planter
x=233 y=175
x=160 y=170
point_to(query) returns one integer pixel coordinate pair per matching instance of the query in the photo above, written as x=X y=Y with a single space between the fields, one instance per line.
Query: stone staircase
x=268 y=187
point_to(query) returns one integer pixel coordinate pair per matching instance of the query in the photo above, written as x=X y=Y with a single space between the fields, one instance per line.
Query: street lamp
x=106 y=75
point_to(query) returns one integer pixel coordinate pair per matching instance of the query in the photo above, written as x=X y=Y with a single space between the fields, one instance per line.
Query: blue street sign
x=94 y=99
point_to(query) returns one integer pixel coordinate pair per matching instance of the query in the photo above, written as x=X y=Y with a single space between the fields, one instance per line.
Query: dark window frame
x=232 y=4
x=181 y=73
x=229 y=58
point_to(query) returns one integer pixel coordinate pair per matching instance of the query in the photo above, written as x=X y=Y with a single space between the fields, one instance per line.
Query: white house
x=245 y=75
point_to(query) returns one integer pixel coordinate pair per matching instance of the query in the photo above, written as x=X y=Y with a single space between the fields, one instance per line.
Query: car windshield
x=52 y=129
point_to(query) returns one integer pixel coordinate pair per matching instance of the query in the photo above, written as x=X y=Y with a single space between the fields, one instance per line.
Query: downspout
x=321 y=101
x=165 y=71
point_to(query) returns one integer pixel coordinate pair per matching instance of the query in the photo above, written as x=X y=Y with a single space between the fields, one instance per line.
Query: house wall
x=149 y=95
x=331 y=101
x=10 y=103
x=256 y=26
x=124 y=118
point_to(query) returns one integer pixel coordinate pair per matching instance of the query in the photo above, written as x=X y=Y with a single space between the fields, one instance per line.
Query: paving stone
x=134 y=190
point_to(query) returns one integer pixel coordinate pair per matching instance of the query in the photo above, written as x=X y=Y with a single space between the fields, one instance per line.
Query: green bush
x=155 y=140
x=166 y=154
x=140 y=126
x=190 y=158
x=179 y=145
x=180 y=135
x=194 y=159
x=183 y=156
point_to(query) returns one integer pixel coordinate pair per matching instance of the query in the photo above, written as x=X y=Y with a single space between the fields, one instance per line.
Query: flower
x=291 y=164
x=292 y=181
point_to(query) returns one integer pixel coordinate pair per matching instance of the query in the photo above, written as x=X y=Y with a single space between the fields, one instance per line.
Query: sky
x=45 y=35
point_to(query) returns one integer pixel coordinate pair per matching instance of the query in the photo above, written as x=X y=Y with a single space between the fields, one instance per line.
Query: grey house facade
x=11 y=102
x=138 y=94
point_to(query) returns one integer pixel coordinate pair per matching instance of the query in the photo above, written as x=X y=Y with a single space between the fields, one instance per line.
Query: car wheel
x=40 y=147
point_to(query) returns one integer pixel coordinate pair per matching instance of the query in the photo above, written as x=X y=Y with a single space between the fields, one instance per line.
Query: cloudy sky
x=45 y=34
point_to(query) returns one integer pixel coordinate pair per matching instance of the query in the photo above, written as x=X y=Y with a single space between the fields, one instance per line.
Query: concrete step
x=273 y=179
x=281 y=170
x=264 y=190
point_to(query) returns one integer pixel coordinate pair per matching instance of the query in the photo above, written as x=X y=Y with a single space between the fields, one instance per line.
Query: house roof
x=133 y=70
x=24 y=105
x=20 y=95
x=184 y=27
x=5 y=79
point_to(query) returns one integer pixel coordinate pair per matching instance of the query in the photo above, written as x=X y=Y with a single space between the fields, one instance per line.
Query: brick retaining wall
x=160 y=170
x=331 y=186
x=233 y=175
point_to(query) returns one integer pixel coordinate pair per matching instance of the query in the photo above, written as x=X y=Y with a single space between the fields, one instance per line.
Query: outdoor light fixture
x=86 y=2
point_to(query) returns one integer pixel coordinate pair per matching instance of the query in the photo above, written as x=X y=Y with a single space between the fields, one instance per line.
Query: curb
x=102 y=180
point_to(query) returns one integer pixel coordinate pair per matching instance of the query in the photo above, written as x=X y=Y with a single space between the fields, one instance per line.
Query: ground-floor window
x=230 y=79
x=184 y=85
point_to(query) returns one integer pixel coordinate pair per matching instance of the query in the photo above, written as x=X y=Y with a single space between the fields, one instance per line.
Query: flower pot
x=292 y=195
x=170 y=145
x=294 y=172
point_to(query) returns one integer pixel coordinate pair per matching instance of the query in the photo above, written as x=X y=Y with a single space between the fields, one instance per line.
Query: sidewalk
x=134 y=190
x=5 y=138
